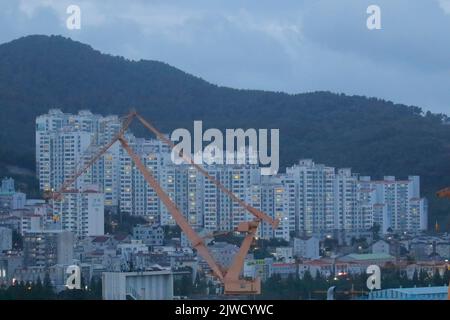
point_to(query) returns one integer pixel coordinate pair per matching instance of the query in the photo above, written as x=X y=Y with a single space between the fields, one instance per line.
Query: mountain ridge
x=373 y=136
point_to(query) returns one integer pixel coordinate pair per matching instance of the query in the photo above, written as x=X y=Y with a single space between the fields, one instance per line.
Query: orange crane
x=445 y=193
x=230 y=277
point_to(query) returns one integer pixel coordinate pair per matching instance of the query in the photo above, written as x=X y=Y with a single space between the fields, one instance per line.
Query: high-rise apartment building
x=136 y=196
x=330 y=200
x=64 y=142
x=315 y=185
x=309 y=198
x=398 y=205
x=346 y=213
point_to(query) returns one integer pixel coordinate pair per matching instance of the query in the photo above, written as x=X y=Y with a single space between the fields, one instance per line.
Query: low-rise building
x=306 y=247
x=443 y=249
x=127 y=250
x=5 y=239
x=150 y=234
x=381 y=246
x=324 y=268
x=223 y=253
x=9 y=198
x=48 y=248
x=284 y=254
x=9 y=263
x=147 y=285
x=284 y=270
x=422 y=248
x=258 y=268
x=31 y=223
x=81 y=212
x=367 y=259
x=424 y=293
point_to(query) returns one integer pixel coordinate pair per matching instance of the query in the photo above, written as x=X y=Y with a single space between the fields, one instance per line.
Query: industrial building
x=147 y=285
x=423 y=293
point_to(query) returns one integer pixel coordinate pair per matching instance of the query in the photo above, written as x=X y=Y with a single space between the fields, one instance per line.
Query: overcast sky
x=282 y=45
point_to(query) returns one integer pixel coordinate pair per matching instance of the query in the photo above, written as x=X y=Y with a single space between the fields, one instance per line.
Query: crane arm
x=230 y=278
x=67 y=183
x=196 y=241
x=257 y=213
x=444 y=193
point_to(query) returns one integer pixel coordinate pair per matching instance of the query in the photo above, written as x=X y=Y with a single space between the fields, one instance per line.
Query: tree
x=437 y=279
x=200 y=285
x=308 y=285
x=37 y=289
x=404 y=281
x=183 y=285
x=423 y=278
x=446 y=277
x=415 y=278
x=48 y=290
x=94 y=291
x=376 y=231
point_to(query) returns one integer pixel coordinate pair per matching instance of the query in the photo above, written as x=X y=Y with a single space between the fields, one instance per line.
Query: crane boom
x=444 y=193
x=128 y=119
x=67 y=183
x=257 y=213
x=230 y=278
x=196 y=241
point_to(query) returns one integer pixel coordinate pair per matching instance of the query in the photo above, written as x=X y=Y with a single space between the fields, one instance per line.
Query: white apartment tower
x=64 y=142
x=80 y=212
x=136 y=196
x=406 y=211
x=315 y=196
x=275 y=202
x=346 y=214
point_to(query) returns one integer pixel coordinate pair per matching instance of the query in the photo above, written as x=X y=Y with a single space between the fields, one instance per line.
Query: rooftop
x=423 y=290
x=368 y=256
x=100 y=239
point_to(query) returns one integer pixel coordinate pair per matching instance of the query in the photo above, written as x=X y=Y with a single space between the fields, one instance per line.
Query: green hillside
x=373 y=137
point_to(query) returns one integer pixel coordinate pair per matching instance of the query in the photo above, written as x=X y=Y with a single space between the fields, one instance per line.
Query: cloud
x=293 y=46
x=286 y=33
x=445 y=5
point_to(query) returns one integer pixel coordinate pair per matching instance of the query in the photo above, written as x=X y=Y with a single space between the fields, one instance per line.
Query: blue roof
x=422 y=293
x=423 y=290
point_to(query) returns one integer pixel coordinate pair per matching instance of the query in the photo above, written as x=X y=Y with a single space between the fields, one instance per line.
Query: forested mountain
x=373 y=137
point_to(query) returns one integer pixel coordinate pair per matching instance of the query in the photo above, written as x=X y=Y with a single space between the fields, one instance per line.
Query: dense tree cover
x=93 y=291
x=121 y=223
x=372 y=136
x=182 y=286
x=44 y=290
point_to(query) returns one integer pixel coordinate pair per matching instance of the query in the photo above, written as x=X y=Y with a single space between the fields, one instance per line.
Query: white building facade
x=80 y=212
x=309 y=198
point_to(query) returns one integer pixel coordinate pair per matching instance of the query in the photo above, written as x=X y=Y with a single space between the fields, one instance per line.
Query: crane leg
x=232 y=282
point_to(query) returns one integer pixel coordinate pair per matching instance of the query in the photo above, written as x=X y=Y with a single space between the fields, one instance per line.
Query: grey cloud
x=291 y=45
